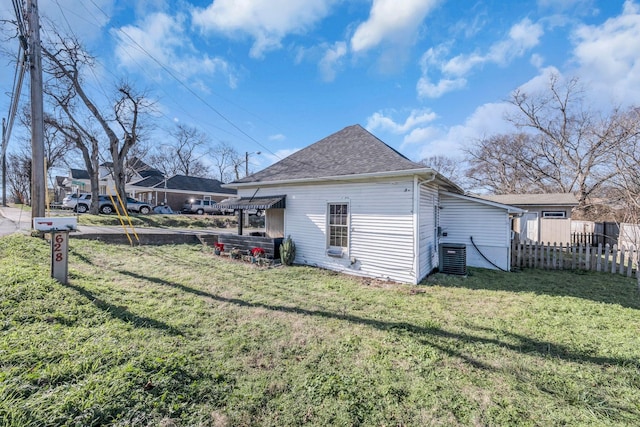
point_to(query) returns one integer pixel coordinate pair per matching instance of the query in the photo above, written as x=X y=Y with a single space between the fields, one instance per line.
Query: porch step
x=207 y=239
x=270 y=245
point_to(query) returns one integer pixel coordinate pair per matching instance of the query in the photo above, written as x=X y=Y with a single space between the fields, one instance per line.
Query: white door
x=529 y=227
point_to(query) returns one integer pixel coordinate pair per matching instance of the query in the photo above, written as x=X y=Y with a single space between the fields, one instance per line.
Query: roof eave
x=509 y=208
x=354 y=177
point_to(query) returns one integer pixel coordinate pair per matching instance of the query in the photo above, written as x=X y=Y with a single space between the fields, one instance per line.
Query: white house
x=353 y=204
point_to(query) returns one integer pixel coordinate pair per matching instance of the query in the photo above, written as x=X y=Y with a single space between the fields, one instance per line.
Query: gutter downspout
x=416 y=222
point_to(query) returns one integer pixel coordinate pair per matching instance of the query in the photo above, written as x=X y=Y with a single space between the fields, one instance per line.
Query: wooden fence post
x=587 y=258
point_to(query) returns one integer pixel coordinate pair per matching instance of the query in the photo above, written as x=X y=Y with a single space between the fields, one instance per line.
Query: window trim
x=554 y=214
x=333 y=250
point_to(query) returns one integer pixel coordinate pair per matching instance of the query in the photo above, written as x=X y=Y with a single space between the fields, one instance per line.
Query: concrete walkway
x=14 y=220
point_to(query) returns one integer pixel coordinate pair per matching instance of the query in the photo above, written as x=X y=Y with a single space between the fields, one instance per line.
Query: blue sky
x=425 y=76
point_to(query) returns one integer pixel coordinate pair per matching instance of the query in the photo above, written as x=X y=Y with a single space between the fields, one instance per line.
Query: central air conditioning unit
x=453 y=258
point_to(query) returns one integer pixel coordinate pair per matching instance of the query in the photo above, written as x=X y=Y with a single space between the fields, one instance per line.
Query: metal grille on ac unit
x=453 y=258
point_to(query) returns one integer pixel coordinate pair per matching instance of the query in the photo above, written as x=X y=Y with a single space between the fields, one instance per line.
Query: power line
x=141 y=68
x=184 y=85
x=18 y=77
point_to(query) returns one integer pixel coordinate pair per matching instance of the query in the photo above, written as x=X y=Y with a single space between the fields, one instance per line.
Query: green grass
x=162 y=221
x=175 y=336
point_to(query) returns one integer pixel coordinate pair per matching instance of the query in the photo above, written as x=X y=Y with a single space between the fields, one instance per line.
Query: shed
x=548 y=216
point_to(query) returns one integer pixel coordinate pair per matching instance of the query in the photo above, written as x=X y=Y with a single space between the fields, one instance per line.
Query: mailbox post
x=59 y=227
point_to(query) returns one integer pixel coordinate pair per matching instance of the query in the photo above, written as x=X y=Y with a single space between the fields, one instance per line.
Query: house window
x=554 y=214
x=338 y=225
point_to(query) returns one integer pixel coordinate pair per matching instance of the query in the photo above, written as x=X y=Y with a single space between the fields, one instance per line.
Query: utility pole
x=4 y=163
x=246 y=161
x=38 y=182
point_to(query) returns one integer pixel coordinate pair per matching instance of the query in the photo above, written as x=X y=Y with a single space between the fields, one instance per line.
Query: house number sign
x=59 y=227
x=60 y=256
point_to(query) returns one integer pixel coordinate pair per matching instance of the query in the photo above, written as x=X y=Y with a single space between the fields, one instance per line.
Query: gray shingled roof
x=550 y=199
x=351 y=151
x=192 y=183
x=79 y=174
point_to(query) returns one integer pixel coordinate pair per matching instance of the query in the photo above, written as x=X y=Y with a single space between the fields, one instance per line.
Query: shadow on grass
x=122 y=313
x=426 y=335
x=599 y=287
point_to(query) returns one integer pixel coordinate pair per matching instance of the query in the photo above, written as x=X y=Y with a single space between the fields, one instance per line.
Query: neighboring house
x=175 y=190
x=60 y=189
x=77 y=181
x=137 y=170
x=548 y=216
x=353 y=204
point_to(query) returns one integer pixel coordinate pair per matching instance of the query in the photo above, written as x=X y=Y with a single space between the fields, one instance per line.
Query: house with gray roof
x=173 y=191
x=353 y=204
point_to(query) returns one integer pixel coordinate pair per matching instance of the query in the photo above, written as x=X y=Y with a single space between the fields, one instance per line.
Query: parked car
x=134 y=205
x=83 y=204
x=226 y=211
x=200 y=207
x=105 y=206
x=70 y=201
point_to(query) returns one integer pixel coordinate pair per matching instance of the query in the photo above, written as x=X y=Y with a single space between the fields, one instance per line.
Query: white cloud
x=379 y=121
x=267 y=21
x=160 y=41
x=426 y=89
x=522 y=37
x=420 y=135
x=87 y=18
x=486 y=120
x=390 y=20
x=332 y=60
x=537 y=60
x=277 y=137
x=608 y=56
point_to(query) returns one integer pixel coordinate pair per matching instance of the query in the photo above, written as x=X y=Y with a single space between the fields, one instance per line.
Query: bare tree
x=497 y=164
x=447 y=166
x=56 y=145
x=626 y=188
x=563 y=146
x=228 y=163
x=184 y=154
x=19 y=176
x=78 y=118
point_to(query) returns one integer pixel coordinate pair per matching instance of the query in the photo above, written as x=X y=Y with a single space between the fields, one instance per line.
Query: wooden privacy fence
x=554 y=256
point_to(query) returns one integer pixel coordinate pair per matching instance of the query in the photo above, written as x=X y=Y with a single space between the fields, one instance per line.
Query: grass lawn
x=175 y=336
x=163 y=221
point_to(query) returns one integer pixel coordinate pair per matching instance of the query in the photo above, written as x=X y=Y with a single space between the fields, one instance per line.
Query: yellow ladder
x=122 y=212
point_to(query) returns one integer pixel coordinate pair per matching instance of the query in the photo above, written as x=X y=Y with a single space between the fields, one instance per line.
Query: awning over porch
x=268 y=202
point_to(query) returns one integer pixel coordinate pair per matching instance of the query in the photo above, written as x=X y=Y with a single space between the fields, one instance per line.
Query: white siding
x=382 y=232
x=489 y=226
x=428 y=250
